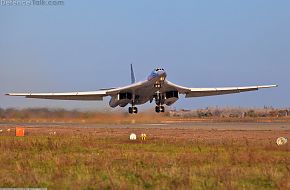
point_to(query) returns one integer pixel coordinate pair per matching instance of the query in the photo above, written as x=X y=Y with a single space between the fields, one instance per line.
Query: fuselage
x=152 y=84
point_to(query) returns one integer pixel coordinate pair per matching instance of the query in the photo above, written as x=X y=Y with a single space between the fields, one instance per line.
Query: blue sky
x=87 y=45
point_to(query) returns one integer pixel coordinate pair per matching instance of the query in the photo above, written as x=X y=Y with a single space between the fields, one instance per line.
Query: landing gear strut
x=133 y=110
x=159 y=101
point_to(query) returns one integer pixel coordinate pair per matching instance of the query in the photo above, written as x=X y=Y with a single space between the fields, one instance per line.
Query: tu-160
x=155 y=88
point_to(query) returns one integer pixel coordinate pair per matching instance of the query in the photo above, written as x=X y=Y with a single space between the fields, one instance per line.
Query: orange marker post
x=19 y=132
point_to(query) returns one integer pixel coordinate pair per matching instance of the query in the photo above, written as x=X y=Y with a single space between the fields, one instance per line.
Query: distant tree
x=217 y=113
x=1 y=112
x=251 y=113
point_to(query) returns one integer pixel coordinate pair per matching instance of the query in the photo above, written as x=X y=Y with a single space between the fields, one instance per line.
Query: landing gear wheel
x=133 y=110
x=157 y=109
x=130 y=110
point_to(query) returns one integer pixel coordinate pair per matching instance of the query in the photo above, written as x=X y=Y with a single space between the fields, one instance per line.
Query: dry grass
x=91 y=160
x=38 y=115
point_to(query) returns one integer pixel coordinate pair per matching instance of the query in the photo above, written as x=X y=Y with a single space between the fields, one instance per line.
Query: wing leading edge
x=200 y=92
x=91 y=95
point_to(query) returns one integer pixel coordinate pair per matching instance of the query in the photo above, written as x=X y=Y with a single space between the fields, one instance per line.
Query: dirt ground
x=261 y=132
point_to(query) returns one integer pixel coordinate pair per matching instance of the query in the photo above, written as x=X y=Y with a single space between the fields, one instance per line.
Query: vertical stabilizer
x=132 y=75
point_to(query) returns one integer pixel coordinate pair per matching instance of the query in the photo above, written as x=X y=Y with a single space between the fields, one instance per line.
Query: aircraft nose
x=162 y=74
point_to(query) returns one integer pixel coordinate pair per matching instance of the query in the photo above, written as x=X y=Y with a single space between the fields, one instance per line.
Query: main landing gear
x=133 y=110
x=159 y=109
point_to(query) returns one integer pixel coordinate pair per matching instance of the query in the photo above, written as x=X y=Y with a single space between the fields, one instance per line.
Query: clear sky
x=87 y=45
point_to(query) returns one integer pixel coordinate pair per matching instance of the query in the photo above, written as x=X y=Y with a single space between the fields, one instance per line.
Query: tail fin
x=132 y=75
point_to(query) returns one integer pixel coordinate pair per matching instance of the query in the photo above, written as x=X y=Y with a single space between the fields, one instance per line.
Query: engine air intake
x=125 y=95
x=171 y=94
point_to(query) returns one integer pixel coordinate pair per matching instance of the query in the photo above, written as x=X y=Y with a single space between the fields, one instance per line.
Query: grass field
x=90 y=159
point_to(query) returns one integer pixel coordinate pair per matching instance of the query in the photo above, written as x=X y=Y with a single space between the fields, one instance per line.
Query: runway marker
x=52 y=133
x=133 y=137
x=19 y=132
x=143 y=136
x=281 y=141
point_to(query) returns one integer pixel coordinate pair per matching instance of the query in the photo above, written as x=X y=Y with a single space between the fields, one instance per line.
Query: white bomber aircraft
x=156 y=87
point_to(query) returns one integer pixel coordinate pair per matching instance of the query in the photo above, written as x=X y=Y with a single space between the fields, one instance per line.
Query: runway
x=182 y=132
x=171 y=125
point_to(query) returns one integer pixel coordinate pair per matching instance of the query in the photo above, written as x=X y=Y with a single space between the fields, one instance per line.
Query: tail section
x=132 y=75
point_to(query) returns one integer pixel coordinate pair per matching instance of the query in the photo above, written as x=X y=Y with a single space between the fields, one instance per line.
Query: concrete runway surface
x=171 y=125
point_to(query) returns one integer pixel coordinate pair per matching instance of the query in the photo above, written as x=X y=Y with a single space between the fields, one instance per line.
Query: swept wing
x=200 y=92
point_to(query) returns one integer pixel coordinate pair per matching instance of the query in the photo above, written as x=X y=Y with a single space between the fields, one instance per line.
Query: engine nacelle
x=170 y=97
x=121 y=99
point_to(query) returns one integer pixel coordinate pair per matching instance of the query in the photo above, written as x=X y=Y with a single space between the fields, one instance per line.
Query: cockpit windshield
x=159 y=69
